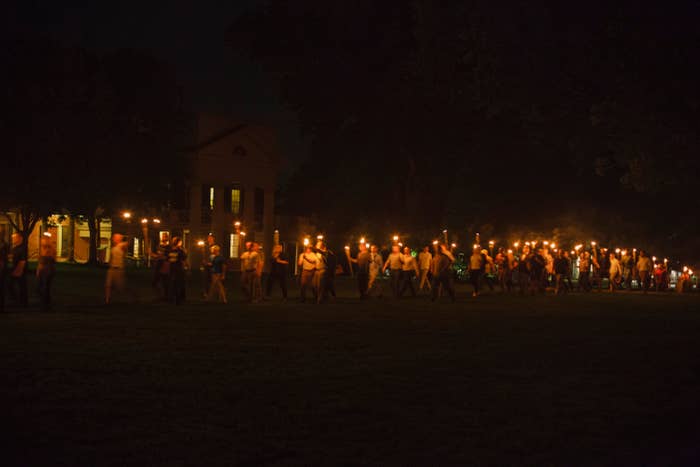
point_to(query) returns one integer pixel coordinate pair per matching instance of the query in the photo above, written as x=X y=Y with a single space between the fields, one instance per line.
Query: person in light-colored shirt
x=644 y=268
x=375 y=269
x=424 y=260
x=615 y=272
x=116 y=275
x=307 y=262
x=394 y=263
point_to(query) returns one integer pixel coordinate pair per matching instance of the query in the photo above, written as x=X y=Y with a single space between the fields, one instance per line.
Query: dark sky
x=188 y=35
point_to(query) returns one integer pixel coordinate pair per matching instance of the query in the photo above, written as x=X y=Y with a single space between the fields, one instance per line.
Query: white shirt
x=424 y=259
x=615 y=267
x=308 y=261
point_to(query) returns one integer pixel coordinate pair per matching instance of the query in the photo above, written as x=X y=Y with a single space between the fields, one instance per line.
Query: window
x=234 y=245
x=259 y=208
x=234 y=199
x=207 y=203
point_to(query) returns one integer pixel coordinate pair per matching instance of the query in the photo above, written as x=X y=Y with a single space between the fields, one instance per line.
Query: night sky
x=188 y=37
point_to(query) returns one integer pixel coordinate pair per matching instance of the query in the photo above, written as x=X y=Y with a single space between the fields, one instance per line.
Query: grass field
x=574 y=380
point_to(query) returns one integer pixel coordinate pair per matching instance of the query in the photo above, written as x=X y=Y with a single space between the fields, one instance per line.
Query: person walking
x=362 y=272
x=45 y=271
x=161 y=268
x=442 y=273
x=561 y=271
x=279 y=266
x=321 y=252
x=207 y=257
x=218 y=275
x=644 y=269
x=614 y=273
x=477 y=263
x=307 y=263
x=409 y=270
x=394 y=263
x=116 y=273
x=424 y=260
x=177 y=259
x=584 y=271
x=375 y=270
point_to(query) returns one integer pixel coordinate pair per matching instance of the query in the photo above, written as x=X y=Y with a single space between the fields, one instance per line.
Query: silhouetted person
x=161 y=268
x=217 y=275
x=279 y=267
x=409 y=270
x=177 y=258
x=18 y=271
x=207 y=258
x=442 y=273
x=45 y=271
x=362 y=272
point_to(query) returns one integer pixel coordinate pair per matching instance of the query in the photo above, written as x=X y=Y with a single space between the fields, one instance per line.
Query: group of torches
x=517 y=247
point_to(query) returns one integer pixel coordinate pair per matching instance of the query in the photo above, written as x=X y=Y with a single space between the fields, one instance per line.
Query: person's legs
x=362 y=284
x=474 y=277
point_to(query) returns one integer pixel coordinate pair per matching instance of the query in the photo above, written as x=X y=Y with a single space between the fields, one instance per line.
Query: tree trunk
x=94 y=228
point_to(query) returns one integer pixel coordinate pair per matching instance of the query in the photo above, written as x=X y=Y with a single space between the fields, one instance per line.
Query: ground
x=581 y=379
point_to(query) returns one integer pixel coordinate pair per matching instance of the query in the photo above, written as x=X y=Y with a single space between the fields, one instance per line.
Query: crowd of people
x=531 y=269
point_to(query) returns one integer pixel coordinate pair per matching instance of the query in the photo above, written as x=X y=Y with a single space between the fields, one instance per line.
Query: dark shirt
x=278 y=268
x=217 y=264
x=176 y=258
x=442 y=264
x=331 y=263
x=561 y=266
x=363 y=262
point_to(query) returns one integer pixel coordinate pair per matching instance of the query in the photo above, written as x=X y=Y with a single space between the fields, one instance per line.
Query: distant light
x=362 y=240
x=47 y=234
x=306 y=241
x=546 y=242
x=126 y=215
x=144 y=221
x=593 y=243
x=435 y=242
x=319 y=237
x=510 y=252
x=200 y=243
x=157 y=221
x=347 y=247
x=396 y=238
x=454 y=245
x=243 y=234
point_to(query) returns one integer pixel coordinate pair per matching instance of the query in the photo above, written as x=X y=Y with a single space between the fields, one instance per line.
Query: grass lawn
x=580 y=379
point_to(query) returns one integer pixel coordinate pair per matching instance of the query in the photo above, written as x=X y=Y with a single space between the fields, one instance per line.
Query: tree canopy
x=424 y=114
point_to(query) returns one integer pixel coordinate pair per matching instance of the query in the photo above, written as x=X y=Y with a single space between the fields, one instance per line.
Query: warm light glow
x=400 y=244
x=367 y=245
x=527 y=243
x=593 y=243
x=578 y=247
x=653 y=258
x=445 y=231
x=347 y=247
x=516 y=244
x=362 y=240
x=306 y=242
x=553 y=245
x=242 y=234
x=546 y=243
x=200 y=243
x=491 y=242
x=126 y=215
x=157 y=221
x=573 y=252
x=435 y=242
x=237 y=224
x=476 y=246
x=144 y=221
x=665 y=260
x=510 y=252
x=624 y=252
x=454 y=245
x=319 y=237
x=617 y=250
x=396 y=238
x=47 y=234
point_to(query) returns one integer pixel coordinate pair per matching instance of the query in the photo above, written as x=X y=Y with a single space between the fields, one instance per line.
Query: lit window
x=234 y=244
x=236 y=201
x=211 y=197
